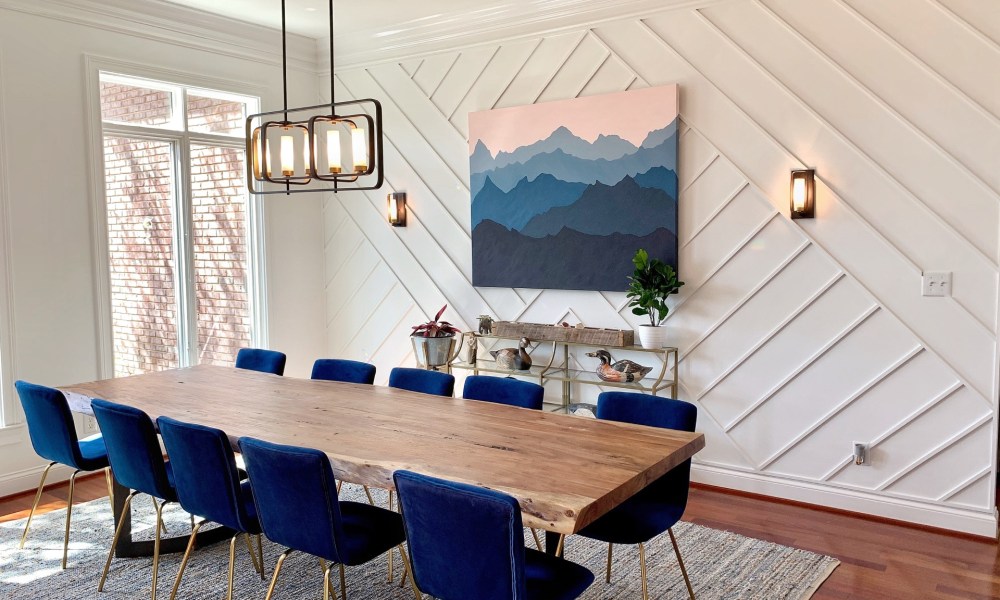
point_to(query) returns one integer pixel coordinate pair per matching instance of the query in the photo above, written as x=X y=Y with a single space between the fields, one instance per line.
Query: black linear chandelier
x=307 y=149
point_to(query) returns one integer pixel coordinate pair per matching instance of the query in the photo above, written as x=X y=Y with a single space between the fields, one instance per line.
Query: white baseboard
x=26 y=480
x=980 y=523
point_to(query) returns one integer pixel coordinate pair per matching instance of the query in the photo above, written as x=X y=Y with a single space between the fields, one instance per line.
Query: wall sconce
x=803 y=194
x=397 y=209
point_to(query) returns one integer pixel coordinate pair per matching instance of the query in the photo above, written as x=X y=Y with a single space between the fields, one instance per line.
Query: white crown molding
x=489 y=24
x=179 y=25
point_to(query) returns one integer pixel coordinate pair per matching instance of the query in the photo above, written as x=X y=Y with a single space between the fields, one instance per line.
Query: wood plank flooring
x=879 y=560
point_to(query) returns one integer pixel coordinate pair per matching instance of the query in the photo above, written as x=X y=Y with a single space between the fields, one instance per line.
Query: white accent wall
x=797 y=338
x=49 y=286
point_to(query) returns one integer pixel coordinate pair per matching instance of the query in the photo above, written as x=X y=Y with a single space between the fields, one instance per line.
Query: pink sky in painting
x=630 y=115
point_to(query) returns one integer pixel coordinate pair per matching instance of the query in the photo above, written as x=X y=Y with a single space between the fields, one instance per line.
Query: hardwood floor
x=878 y=560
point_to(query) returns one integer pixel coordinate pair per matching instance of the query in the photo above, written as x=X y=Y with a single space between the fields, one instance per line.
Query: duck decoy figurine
x=622 y=371
x=513 y=359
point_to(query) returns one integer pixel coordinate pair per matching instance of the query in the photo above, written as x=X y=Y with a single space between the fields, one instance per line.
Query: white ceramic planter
x=651 y=337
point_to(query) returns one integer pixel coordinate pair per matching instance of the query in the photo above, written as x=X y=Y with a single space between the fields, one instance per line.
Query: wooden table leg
x=129 y=548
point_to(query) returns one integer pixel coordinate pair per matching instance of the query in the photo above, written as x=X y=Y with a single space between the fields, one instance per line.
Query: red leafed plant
x=435 y=328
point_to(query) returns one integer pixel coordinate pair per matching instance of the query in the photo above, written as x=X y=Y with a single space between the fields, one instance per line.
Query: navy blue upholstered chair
x=296 y=497
x=421 y=380
x=659 y=506
x=349 y=371
x=504 y=390
x=137 y=462
x=468 y=542
x=53 y=436
x=257 y=359
x=209 y=486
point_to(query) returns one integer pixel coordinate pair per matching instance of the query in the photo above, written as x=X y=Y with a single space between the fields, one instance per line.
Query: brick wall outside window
x=139 y=177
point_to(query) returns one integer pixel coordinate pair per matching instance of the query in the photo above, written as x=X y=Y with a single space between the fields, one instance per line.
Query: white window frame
x=181 y=139
x=10 y=411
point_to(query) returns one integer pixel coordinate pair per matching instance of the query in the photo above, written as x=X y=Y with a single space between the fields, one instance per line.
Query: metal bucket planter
x=434 y=352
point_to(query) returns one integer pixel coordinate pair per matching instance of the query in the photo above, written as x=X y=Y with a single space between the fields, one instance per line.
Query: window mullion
x=186 y=303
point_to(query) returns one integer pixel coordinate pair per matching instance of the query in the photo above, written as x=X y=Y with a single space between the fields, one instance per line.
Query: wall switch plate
x=935 y=283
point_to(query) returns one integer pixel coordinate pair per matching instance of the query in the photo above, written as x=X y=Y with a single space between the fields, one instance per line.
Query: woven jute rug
x=721 y=564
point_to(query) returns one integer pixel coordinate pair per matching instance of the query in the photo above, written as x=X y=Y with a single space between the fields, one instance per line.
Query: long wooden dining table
x=564 y=470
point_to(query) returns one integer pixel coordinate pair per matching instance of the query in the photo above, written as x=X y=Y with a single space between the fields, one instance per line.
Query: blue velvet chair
x=348 y=371
x=257 y=359
x=468 y=542
x=659 y=506
x=421 y=380
x=53 y=437
x=296 y=497
x=209 y=486
x=504 y=390
x=137 y=462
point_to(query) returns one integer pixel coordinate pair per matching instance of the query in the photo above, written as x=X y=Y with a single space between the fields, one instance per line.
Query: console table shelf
x=554 y=366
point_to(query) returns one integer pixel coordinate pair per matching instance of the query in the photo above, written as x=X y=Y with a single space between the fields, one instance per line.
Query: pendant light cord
x=284 y=59
x=332 y=85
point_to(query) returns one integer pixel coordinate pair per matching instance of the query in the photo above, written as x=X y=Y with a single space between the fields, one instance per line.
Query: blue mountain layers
x=569 y=214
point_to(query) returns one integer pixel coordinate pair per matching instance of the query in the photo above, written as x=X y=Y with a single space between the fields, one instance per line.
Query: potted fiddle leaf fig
x=434 y=342
x=650 y=284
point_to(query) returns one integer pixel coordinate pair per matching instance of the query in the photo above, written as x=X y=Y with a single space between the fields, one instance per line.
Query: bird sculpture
x=513 y=359
x=621 y=371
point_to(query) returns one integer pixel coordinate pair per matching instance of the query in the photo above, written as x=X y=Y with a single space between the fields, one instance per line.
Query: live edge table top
x=564 y=470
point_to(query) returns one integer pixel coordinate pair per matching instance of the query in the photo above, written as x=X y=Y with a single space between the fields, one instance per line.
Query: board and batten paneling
x=796 y=339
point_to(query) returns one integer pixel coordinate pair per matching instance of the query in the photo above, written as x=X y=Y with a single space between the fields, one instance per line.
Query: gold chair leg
x=111 y=487
x=114 y=540
x=642 y=571
x=232 y=565
x=69 y=516
x=369 y=494
x=607 y=576
x=538 y=542
x=184 y=561
x=326 y=582
x=343 y=583
x=38 y=496
x=389 y=553
x=340 y=484
x=277 y=570
x=160 y=525
x=407 y=572
x=680 y=561
x=560 y=550
x=260 y=553
x=253 y=555
x=156 y=541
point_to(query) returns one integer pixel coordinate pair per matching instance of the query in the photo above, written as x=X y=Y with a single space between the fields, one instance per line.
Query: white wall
x=797 y=338
x=46 y=201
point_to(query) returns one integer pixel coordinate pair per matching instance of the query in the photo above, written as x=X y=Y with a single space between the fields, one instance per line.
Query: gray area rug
x=721 y=564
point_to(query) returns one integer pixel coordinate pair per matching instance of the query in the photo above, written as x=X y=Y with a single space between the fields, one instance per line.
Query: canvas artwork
x=564 y=193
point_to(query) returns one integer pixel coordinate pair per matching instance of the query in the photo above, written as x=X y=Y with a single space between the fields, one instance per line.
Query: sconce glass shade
x=310 y=148
x=803 y=194
x=396 y=209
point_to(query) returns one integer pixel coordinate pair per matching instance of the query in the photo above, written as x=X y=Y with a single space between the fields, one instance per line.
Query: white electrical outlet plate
x=935 y=283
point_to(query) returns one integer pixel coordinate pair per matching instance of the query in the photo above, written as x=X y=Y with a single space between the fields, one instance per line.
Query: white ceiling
x=309 y=17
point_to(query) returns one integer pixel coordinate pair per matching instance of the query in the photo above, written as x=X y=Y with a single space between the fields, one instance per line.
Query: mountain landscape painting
x=564 y=193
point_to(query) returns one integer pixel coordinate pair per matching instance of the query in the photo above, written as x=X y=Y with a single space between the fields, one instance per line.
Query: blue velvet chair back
x=296 y=496
x=348 y=371
x=133 y=449
x=447 y=561
x=205 y=474
x=504 y=390
x=50 y=424
x=420 y=380
x=265 y=361
x=643 y=409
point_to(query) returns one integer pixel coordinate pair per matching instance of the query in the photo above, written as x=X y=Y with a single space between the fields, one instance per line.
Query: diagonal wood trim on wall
x=797 y=338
